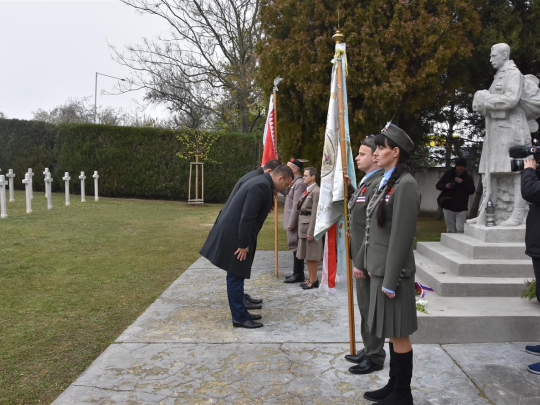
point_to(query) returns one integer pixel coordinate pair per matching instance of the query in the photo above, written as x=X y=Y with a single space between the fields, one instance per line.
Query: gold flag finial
x=338 y=37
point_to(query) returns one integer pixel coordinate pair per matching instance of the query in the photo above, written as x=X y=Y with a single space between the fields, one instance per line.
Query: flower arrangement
x=420 y=291
x=421 y=305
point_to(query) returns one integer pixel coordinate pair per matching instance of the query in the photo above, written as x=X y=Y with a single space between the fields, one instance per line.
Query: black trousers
x=235 y=294
x=536 y=267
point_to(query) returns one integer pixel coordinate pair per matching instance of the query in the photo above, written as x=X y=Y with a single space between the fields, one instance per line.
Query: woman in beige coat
x=308 y=248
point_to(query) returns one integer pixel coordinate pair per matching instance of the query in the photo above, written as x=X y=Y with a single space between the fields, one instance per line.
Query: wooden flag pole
x=275 y=196
x=338 y=37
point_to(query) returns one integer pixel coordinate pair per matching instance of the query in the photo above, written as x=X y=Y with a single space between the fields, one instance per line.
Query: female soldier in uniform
x=388 y=257
x=308 y=248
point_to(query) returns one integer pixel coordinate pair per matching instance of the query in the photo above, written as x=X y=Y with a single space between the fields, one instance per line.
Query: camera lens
x=516 y=165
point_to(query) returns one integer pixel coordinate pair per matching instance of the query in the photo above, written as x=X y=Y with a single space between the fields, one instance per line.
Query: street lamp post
x=95 y=94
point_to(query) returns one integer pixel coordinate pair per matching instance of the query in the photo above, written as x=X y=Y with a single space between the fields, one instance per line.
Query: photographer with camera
x=456 y=185
x=530 y=190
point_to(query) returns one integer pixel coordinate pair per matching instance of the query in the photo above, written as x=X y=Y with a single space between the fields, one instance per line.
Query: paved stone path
x=184 y=350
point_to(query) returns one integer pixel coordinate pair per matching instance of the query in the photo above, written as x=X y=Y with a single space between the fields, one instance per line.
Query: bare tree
x=74 y=110
x=2 y=116
x=207 y=59
x=81 y=111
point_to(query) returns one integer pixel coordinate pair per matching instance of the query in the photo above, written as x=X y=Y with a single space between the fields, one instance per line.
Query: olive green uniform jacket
x=390 y=249
x=357 y=217
x=373 y=346
x=390 y=260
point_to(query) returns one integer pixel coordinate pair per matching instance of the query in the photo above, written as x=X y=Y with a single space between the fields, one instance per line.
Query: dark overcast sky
x=50 y=51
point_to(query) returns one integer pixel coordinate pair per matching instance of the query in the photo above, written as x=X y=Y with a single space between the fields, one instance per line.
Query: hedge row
x=132 y=162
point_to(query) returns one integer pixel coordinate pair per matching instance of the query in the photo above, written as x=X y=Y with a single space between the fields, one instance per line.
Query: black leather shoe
x=253 y=317
x=289 y=275
x=356 y=358
x=366 y=367
x=297 y=278
x=251 y=305
x=249 y=324
x=253 y=300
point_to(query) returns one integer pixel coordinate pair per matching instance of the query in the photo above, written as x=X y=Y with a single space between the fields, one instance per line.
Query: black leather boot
x=382 y=393
x=298 y=271
x=299 y=266
x=401 y=394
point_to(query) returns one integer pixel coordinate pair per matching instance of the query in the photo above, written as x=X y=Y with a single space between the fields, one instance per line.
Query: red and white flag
x=269 y=138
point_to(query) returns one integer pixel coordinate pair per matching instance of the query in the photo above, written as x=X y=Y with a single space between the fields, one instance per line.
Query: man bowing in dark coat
x=249 y=302
x=232 y=241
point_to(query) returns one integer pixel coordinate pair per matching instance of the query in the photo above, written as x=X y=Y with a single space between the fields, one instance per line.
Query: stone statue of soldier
x=511 y=106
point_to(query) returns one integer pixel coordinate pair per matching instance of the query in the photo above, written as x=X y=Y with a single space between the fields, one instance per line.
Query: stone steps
x=478 y=278
x=447 y=284
x=478 y=320
x=479 y=250
x=464 y=266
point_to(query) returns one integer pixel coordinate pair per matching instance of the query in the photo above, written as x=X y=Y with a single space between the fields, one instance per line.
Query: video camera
x=518 y=153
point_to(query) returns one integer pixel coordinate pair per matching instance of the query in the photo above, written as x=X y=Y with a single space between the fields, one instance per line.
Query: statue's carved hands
x=479 y=101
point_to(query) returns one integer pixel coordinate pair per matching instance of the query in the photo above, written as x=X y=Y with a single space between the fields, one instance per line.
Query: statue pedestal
x=478 y=278
x=496 y=234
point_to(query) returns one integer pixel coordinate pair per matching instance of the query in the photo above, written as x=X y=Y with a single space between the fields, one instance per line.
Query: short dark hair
x=283 y=170
x=271 y=164
x=312 y=172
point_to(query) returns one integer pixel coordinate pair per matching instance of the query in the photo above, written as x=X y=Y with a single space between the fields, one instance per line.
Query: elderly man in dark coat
x=232 y=241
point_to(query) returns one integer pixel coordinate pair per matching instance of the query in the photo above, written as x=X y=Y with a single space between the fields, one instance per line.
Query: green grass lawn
x=73 y=278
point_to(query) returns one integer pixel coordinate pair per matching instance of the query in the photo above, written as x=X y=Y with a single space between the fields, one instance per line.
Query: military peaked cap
x=399 y=136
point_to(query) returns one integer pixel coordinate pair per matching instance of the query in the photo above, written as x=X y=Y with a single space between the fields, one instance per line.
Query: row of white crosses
x=48 y=188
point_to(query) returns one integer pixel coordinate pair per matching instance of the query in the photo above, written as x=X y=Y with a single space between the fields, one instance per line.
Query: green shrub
x=142 y=162
x=27 y=144
x=132 y=162
x=529 y=291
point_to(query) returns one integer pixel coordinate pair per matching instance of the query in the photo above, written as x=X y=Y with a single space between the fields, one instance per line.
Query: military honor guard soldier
x=290 y=219
x=371 y=357
x=387 y=254
x=232 y=241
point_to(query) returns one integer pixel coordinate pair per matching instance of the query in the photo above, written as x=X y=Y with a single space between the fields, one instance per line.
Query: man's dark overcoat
x=243 y=179
x=238 y=226
x=530 y=190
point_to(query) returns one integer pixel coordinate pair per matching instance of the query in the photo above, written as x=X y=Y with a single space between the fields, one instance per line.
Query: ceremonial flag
x=269 y=136
x=330 y=209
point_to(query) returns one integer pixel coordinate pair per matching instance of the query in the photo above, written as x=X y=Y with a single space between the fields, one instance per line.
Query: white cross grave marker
x=10 y=177
x=28 y=186
x=48 y=189
x=82 y=178
x=31 y=173
x=45 y=175
x=96 y=177
x=66 y=179
x=3 y=184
